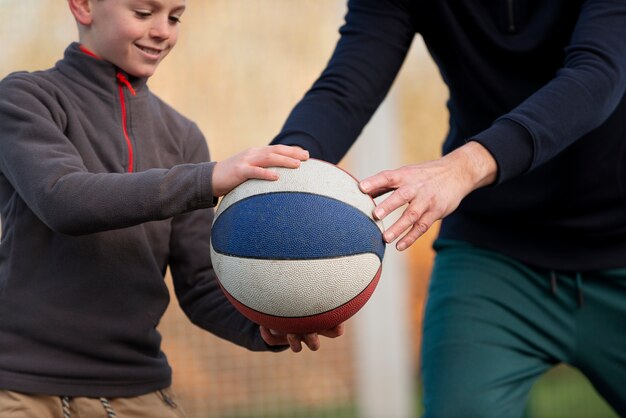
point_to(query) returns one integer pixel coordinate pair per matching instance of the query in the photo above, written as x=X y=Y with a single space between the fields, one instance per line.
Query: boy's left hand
x=295 y=341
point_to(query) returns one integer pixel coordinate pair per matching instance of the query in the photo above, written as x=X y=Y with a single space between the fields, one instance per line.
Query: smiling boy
x=134 y=35
x=103 y=186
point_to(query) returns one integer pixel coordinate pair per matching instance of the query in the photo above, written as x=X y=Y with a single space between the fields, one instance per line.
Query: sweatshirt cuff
x=205 y=196
x=302 y=140
x=511 y=146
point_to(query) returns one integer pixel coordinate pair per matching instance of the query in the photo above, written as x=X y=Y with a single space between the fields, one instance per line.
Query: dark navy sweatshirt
x=541 y=84
x=103 y=186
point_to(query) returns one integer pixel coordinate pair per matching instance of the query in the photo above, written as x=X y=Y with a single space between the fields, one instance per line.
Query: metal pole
x=384 y=364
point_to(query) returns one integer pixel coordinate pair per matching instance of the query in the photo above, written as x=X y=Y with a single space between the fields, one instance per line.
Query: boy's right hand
x=253 y=163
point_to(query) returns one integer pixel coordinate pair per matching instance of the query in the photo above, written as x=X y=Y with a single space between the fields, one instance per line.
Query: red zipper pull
x=123 y=80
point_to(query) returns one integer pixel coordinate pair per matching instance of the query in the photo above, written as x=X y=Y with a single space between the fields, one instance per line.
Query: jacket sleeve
x=374 y=42
x=581 y=96
x=195 y=283
x=48 y=173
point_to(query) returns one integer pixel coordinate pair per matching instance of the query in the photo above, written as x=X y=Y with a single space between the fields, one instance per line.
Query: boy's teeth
x=149 y=50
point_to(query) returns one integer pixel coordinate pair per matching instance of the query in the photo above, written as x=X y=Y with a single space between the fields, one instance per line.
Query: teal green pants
x=494 y=325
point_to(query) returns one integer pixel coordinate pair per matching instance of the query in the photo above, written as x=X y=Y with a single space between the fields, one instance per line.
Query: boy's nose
x=160 y=29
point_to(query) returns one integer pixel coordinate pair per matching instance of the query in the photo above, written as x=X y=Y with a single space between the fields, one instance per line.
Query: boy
x=102 y=187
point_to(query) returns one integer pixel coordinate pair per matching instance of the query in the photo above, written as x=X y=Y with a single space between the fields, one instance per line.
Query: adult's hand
x=432 y=190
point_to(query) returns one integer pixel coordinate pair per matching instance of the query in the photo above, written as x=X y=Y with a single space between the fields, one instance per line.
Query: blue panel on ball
x=295 y=226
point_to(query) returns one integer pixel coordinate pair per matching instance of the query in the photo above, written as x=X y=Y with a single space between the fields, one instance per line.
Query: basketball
x=299 y=254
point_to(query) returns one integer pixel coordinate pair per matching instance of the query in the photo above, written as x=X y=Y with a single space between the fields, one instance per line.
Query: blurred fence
x=214 y=378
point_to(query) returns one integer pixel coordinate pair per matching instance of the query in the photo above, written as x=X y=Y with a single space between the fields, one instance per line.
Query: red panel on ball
x=311 y=323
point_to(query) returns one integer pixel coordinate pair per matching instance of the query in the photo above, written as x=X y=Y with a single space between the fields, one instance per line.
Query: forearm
x=81 y=203
x=374 y=42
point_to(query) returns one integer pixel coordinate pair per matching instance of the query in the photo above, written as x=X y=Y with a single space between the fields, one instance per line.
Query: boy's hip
x=160 y=403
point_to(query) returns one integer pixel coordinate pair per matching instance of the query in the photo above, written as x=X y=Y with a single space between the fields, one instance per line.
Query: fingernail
x=365 y=186
x=389 y=236
x=379 y=213
x=401 y=246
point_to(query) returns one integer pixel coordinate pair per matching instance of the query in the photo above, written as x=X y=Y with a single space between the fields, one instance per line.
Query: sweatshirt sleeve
x=581 y=96
x=48 y=173
x=374 y=42
x=195 y=283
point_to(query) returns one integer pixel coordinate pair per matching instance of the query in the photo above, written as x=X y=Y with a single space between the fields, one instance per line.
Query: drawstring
x=108 y=408
x=553 y=282
x=65 y=401
x=579 y=286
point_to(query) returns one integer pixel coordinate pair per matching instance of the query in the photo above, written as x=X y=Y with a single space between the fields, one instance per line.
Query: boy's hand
x=252 y=164
x=295 y=341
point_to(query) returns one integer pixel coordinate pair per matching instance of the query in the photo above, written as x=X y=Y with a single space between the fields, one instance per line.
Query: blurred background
x=238 y=69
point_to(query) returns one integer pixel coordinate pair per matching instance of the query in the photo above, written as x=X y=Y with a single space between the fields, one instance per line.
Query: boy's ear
x=81 y=9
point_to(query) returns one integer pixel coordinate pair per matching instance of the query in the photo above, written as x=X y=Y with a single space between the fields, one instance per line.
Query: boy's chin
x=139 y=72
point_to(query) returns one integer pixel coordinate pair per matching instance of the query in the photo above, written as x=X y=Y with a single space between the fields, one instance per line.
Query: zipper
x=122 y=82
x=510 y=15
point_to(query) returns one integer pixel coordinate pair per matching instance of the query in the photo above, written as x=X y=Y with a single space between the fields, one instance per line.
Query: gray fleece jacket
x=103 y=186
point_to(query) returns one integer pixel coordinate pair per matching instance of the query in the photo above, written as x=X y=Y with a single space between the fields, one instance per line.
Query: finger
x=333 y=332
x=312 y=341
x=377 y=184
x=288 y=157
x=279 y=160
x=418 y=229
x=260 y=173
x=374 y=193
x=410 y=217
x=398 y=198
x=272 y=338
x=293 y=151
x=294 y=342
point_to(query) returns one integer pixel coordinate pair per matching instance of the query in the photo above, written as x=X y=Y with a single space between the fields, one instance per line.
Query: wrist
x=478 y=164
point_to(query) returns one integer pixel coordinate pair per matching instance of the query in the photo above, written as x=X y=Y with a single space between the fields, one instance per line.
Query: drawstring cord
x=65 y=401
x=108 y=408
x=579 y=286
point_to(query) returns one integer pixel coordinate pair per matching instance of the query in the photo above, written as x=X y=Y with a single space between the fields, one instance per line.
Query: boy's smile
x=150 y=52
x=134 y=35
